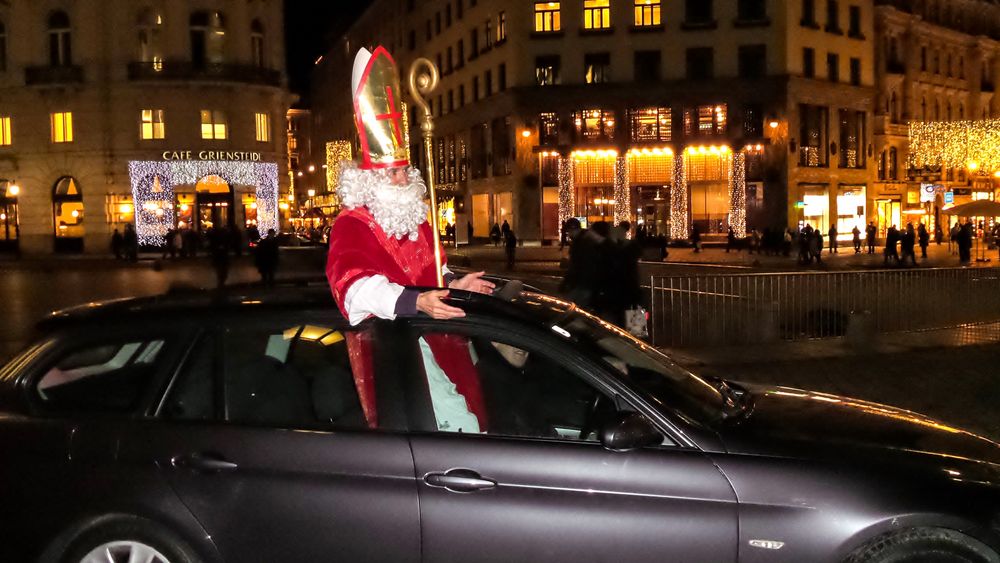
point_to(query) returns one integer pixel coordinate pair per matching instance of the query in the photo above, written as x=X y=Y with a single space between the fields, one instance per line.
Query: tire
x=924 y=545
x=126 y=533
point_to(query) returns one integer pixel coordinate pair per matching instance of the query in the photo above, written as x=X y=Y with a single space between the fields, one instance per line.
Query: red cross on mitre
x=378 y=110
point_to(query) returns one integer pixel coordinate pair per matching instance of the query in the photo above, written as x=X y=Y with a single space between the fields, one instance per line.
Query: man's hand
x=473 y=282
x=430 y=303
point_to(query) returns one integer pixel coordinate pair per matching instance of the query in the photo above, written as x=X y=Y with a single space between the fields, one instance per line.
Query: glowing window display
x=850 y=211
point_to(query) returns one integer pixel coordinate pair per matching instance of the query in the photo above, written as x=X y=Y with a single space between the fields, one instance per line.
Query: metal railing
x=705 y=310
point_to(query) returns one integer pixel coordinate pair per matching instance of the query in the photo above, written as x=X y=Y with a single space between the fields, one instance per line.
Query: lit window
x=596 y=14
x=647 y=13
x=62 y=127
x=263 y=128
x=547 y=17
x=502 y=27
x=152 y=124
x=213 y=125
x=5 y=139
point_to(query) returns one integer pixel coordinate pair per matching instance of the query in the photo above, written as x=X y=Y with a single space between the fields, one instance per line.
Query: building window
x=705 y=121
x=813 y=135
x=459 y=6
x=548 y=128
x=809 y=62
x=547 y=70
x=477 y=151
x=880 y=167
x=214 y=124
x=263 y=122
x=751 y=10
x=5 y=137
x=150 y=26
x=152 y=126
x=852 y=139
x=700 y=63
x=753 y=122
x=832 y=67
x=855 y=72
x=501 y=27
x=460 y=54
x=475 y=88
x=503 y=146
x=427 y=30
x=594 y=124
x=547 y=17
x=411 y=41
x=60 y=44
x=752 y=62
x=461 y=95
x=257 y=44
x=647 y=66
x=3 y=47
x=893 y=164
x=208 y=34
x=651 y=124
x=596 y=14
x=698 y=12
x=832 y=16
x=473 y=44
x=923 y=59
x=451 y=101
x=502 y=76
x=447 y=15
x=808 y=14
x=448 y=62
x=489 y=35
x=597 y=68
x=647 y=13
x=437 y=23
x=62 y=127
x=854 y=23
x=488 y=83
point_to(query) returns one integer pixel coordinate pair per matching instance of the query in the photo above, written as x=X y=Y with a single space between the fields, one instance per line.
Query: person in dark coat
x=581 y=282
x=965 y=243
x=891 y=240
x=219 y=244
x=730 y=239
x=130 y=243
x=266 y=258
x=907 y=242
x=117 y=244
x=857 y=239
x=510 y=246
x=495 y=234
x=696 y=238
x=833 y=240
x=870 y=232
x=924 y=239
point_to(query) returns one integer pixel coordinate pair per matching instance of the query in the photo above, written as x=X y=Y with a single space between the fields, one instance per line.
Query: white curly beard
x=399 y=210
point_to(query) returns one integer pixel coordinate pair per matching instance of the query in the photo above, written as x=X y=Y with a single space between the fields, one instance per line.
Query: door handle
x=459 y=481
x=209 y=463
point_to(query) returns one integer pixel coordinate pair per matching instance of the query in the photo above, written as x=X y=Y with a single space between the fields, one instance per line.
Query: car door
x=263 y=436
x=528 y=488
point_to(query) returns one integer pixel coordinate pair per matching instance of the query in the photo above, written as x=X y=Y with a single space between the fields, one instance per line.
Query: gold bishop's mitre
x=378 y=110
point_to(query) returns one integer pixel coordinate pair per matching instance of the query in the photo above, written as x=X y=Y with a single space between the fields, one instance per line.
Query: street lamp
x=13 y=190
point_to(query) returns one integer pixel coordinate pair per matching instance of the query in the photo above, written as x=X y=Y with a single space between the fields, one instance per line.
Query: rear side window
x=102 y=377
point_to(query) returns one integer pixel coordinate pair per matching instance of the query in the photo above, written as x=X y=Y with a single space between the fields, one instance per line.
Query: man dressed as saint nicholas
x=382 y=246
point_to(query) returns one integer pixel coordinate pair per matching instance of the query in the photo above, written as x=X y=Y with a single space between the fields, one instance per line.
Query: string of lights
x=622 y=190
x=153 y=185
x=956 y=144
x=738 y=194
x=337 y=154
x=679 y=199
x=567 y=197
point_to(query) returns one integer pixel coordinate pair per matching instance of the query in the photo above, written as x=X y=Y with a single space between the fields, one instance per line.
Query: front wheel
x=129 y=540
x=924 y=545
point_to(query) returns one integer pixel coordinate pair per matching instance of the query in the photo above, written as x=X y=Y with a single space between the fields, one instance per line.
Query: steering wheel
x=590 y=424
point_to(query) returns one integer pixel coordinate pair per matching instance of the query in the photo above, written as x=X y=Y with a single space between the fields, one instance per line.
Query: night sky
x=309 y=28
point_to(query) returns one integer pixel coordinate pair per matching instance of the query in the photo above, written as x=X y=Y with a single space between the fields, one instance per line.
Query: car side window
x=109 y=376
x=486 y=385
x=286 y=375
x=192 y=396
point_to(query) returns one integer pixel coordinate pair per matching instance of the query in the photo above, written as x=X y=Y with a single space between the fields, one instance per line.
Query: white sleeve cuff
x=371 y=296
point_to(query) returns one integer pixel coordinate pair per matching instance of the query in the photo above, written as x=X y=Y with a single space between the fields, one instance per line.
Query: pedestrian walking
x=938 y=234
x=964 y=242
x=924 y=239
x=786 y=241
x=907 y=242
x=580 y=283
x=730 y=239
x=219 y=243
x=696 y=238
x=870 y=233
x=817 y=246
x=834 y=243
x=953 y=237
x=504 y=229
x=857 y=239
x=510 y=246
x=130 y=243
x=754 y=241
x=117 y=244
x=266 y=258
x=891 y=254
x=495 y=234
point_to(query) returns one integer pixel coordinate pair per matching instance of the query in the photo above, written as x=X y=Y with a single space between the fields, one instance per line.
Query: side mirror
x=629 y=431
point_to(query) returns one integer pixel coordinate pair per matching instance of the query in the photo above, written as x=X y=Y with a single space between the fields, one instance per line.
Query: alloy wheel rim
x=124 y=552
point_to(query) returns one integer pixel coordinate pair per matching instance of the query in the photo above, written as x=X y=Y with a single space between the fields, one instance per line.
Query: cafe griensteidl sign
x=239 y=156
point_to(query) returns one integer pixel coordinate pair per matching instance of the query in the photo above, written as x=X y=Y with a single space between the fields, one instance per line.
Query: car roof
x=534 y=308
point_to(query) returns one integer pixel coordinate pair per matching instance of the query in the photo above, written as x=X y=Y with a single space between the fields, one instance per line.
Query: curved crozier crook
x=423 y=79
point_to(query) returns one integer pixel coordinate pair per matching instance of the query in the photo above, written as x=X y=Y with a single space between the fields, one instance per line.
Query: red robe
x=359 y=248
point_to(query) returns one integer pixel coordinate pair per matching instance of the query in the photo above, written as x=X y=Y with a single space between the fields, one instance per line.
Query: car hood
x=792 y=422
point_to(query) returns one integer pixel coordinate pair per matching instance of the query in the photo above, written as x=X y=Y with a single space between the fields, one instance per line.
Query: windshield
x=667 y=384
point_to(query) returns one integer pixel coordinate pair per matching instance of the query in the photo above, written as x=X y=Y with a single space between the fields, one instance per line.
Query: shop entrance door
x=889 y=214
x=213 y=204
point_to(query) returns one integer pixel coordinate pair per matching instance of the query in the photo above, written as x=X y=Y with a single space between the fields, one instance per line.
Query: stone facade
x=105 y=62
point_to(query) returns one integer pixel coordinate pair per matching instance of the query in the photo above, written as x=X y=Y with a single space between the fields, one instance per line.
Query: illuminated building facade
x=937 y=61
x=152 y=113
x=672 y=115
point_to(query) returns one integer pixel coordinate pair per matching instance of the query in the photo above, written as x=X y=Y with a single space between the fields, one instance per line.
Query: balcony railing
x=44 y=75
x=183 y=70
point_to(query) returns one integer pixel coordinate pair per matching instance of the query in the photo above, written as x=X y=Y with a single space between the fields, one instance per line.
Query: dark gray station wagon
x=262 y=428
